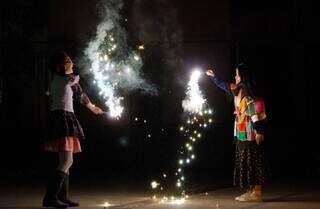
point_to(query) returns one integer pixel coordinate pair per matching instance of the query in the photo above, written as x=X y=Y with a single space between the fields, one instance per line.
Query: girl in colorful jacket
x=250 y=167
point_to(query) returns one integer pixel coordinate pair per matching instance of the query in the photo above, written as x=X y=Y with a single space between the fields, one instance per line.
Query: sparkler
x=197 y=118
x=114 y=65
x=108 y=72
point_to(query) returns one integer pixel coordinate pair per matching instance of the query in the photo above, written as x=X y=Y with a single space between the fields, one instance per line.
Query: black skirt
x=64 y=124
x=250 y=166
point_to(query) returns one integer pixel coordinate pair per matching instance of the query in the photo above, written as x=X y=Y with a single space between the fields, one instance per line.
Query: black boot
x=63 y=195
x=54 y=186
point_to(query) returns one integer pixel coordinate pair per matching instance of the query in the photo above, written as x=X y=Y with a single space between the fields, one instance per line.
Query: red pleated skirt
x=65 y=144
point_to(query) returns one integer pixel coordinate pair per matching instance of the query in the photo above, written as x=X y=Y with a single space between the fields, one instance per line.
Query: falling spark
x=154 y=184
x=179 y=184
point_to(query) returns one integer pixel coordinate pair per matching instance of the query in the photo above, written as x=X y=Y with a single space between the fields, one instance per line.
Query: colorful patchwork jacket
x=250 y=114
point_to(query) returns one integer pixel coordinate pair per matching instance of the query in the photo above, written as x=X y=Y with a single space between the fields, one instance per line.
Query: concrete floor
x=286 y=196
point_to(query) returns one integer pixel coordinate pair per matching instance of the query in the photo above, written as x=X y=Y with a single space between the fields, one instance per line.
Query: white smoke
x=114 y=65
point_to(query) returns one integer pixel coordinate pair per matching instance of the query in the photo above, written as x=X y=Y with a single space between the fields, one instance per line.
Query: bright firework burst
x=114 y=65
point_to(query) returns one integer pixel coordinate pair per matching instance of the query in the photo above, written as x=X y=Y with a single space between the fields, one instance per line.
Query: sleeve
x=257 y=113
x=222 y=85
x=73 y=80
x=79 y=95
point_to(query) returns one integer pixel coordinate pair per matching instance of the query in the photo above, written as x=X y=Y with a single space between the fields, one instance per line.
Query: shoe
x=243 y=196
x=53 y=204
x=252 y=197
x=54 y=185
x=63 y=195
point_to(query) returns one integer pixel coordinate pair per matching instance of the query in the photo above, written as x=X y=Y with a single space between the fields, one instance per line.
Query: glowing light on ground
x=106 y=205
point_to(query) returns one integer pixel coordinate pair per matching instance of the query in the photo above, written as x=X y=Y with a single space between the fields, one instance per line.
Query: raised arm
x=219 y=83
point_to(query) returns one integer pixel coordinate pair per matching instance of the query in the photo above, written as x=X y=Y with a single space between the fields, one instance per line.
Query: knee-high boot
x=63 y=195
x=54 y=186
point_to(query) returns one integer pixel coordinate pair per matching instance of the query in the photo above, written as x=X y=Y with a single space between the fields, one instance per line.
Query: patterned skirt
x=250 y=166
x=65 y=132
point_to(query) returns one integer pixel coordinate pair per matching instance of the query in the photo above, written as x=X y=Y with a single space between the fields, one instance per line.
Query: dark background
x=279 y=41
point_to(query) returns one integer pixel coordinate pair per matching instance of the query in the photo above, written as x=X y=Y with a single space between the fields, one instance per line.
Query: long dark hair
x=247 y=83
x=57 y=61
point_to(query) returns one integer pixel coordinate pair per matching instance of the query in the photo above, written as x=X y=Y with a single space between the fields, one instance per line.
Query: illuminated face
x=68 y=65
x=237 y=77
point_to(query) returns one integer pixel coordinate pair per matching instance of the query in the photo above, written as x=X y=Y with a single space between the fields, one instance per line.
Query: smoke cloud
x=115 y=66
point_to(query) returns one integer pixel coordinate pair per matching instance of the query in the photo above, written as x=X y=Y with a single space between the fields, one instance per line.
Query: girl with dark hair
x=65 y=130
x=249 y=127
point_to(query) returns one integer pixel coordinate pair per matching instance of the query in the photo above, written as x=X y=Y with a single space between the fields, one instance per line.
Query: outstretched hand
x=95 y=109
x=210 y=73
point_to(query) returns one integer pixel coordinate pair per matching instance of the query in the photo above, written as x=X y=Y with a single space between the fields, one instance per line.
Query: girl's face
x=68 y=65
x=237 y=77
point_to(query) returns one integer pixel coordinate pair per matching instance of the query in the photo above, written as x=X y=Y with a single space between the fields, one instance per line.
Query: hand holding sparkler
x=96 y=110
x=210 y=72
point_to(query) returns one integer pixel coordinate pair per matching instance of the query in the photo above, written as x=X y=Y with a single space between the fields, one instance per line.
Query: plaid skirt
x=250 y=166
x=65 y=132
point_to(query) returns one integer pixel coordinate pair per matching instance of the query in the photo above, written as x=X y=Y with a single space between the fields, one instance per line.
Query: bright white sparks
x=114 y=65
x=154 y=184
x=197 y=118
x=194 y=100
